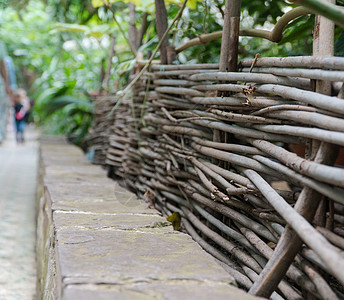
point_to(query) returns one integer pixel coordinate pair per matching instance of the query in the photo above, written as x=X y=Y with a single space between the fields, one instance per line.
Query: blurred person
x=21 y=105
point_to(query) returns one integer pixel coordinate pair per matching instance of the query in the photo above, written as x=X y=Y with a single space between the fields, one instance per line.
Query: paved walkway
x=18 y=170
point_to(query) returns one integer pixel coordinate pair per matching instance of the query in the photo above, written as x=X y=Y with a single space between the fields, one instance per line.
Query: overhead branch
x=275 y=35
x=329 y=10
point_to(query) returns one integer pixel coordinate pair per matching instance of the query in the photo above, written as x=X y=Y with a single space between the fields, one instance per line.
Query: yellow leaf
x=175 y=219
x=190 y=3
x=136 y=2
x=97 y=3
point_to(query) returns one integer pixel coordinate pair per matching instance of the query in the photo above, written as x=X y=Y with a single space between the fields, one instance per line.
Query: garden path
x=18 y=180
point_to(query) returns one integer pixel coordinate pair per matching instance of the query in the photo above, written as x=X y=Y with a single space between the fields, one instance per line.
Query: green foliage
x=263 y=11
x=72 y=11
x=63 y=46
x=61 y=63
x=339 y=45
x=145 y=5
x=297 y=41
x=191 y=25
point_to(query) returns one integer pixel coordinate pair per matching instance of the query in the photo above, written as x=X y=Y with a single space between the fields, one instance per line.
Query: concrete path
x=18 y=180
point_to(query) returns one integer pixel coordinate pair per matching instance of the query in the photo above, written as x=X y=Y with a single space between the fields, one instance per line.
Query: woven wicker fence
x=245 y=159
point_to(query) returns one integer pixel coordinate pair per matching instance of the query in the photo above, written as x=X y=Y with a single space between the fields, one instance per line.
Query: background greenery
x=60 y=47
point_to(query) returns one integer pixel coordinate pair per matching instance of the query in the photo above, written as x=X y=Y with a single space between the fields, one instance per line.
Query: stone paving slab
x=129 y=256
x=118 y=221
x=174 y=290
x=98 y=241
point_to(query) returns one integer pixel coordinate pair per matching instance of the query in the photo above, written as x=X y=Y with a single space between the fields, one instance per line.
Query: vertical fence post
x=133 y=32
x=229 y=45
x=230 y=36
x=290 y=244
x=323 y=45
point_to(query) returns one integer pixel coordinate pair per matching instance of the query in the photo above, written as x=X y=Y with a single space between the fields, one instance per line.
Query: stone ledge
x=99 y=241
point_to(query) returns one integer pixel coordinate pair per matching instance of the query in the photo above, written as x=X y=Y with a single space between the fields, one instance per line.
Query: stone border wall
x=96 y=240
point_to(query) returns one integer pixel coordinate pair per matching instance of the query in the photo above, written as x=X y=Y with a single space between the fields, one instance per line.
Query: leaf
x=339 y=45
x=146 y=5
x=148 y=44
x=190 y=3
x=99 y=3
x=125 y=66
x=95 y=31
x=71 y=27
x=60 y=102
x=175 y=219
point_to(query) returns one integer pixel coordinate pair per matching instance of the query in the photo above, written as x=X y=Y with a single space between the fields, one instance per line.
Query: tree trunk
x=161 y=27
x=133 y=33
x=101 y=75
x=143 y=29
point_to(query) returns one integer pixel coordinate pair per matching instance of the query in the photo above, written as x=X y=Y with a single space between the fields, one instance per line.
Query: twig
x=138 y=76
x=109 y=7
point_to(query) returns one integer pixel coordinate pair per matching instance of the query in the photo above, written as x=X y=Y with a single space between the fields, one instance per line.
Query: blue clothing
x=20 y=121
x=20 y=125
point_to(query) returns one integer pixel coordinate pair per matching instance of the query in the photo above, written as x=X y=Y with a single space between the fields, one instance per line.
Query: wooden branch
x=323 y=287
x=289 y=243
x=304 y=73
x=253 y=77
x=332 y=237
x=229 y=246
x=327 y=252
x=332 y=104
x=327 y=190
x=324 y=62
x=306 y=132
x=312 y=169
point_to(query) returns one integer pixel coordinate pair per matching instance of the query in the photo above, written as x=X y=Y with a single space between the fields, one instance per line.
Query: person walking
x=21 y=105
